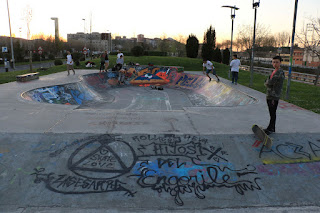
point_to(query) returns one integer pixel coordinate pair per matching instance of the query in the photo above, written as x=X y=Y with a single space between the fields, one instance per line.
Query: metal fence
x=295 y=76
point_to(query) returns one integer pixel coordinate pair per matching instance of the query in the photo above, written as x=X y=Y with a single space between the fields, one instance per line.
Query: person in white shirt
x=70 y=63
x=208 y=65
x=120 y=54
x=234 y=66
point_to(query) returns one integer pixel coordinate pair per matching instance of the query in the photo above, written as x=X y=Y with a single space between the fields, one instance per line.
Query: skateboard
x=262 y=136
x=157 y=87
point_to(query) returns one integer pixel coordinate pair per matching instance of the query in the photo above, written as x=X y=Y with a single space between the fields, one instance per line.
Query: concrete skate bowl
x=131 y=90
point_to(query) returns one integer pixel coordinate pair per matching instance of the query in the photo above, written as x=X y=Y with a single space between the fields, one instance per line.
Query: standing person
x=120 y=62
x=274 y=85
x=102 y=61
x=106 y=60
x=234 y=66
x=70 y=63
x=209 y=66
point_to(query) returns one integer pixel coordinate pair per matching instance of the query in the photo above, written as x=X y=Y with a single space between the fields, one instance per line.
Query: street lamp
x=255 y=5
x=12 y=54
x=56 y=28
x=84 y=25
x=233 y=15
x=291 y=49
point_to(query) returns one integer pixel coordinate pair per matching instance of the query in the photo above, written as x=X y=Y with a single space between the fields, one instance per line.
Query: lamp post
x=291 y=49
x=12 y=54
x=255 y=5
x=233 y=15
x=84 y=25
x=56 y=28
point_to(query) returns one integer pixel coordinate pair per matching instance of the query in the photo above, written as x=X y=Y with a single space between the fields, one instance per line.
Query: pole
x=291 y=49
x=231 y=42
x=252 y=49
x=12 y=53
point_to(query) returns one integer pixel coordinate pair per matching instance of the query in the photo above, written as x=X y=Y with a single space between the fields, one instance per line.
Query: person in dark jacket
x=274 y=85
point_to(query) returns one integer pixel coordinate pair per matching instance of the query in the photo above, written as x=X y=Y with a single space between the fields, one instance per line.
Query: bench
x=27 y=77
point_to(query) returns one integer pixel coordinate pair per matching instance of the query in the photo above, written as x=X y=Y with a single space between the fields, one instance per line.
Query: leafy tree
x=226 y=56
x=164 y=45
x=19 y=52
x=192 y=46
x=137 y=51
x=217 y=57
x=209 y=43
x=36 y=57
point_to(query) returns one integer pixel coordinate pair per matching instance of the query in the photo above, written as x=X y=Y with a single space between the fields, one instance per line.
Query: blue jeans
x=234 y=76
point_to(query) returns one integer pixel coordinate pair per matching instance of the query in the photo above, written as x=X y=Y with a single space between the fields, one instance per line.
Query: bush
x=35 y=57
x=57 y=62
x=137 y=51
x=51 y=57
x=76 y=56
x=155 y=53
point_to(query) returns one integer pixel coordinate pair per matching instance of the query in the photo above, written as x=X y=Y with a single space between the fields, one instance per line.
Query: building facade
x=94 y=41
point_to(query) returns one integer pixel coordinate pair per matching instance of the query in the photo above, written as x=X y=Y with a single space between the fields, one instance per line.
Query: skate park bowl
x=142 y=88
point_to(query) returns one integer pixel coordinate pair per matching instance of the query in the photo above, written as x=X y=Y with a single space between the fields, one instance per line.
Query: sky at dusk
x=168 y=18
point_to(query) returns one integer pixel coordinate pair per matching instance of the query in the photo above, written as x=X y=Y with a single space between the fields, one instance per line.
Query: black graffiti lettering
x=297 y=149
x=177 y=185
x=169 y=163
x=77 y=185
x=314 y=148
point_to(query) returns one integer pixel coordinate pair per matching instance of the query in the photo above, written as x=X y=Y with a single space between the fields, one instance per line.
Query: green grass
x=33 y=62
x=303 y=95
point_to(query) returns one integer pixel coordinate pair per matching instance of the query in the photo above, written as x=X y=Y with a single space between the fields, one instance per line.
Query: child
x=274 y=85
x=209 y=66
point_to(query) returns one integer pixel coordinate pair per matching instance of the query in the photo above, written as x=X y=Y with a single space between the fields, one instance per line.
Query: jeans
x=234 y=76
x=272 y=105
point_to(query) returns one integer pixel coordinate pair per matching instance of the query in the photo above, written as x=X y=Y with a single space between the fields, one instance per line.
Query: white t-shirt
x=208 y=65
x=235 y=63
x=69 y=60
x=119 y=54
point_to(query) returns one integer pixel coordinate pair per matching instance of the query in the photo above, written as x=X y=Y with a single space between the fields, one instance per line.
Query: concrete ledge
x=27 y=77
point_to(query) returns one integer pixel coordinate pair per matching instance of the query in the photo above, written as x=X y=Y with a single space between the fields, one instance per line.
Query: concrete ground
x=64 y=158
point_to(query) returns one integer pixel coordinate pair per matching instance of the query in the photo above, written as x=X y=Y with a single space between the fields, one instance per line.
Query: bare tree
x=310 y=39
x=282 y=39
x=245 y=37
x=269 y=41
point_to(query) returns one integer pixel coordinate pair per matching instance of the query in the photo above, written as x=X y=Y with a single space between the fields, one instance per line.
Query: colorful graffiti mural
x=69 y=94
x=197 y=89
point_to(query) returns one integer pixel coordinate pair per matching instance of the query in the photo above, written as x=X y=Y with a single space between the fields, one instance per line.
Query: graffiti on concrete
x=69 y=94
x=178 y=177
x=288 y=106
x=301 y=169
x=289 y=152
x=176 y=165
x=67 y=184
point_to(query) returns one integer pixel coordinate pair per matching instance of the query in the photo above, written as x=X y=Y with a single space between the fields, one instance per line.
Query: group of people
x=104 y=61
x=274 y=84
x=234 y=68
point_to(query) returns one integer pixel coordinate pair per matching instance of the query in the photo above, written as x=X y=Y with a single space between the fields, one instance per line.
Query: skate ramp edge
x=98 y=87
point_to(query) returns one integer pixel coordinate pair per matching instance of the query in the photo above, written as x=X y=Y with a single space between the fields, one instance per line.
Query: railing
x=295 y=76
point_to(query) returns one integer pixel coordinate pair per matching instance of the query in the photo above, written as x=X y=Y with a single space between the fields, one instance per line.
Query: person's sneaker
x=236 y=83
x=209 y=79
x=268 y=131
x=218 y=80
